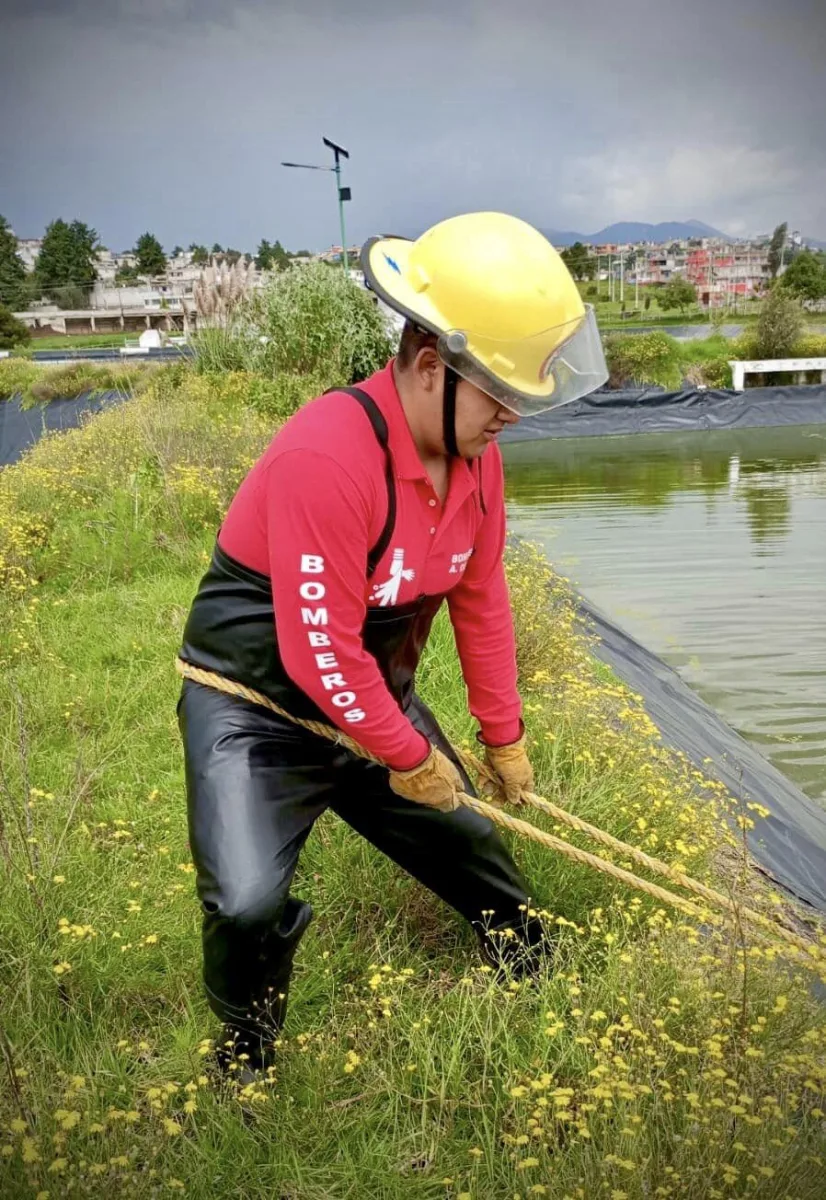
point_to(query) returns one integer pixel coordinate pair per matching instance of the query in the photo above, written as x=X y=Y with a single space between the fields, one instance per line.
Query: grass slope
x=653 y=1059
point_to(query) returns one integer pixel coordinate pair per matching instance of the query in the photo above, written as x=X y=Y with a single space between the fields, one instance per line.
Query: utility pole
x=622 y=278
x=637 y=280
x=611 y=278
x=343 y=193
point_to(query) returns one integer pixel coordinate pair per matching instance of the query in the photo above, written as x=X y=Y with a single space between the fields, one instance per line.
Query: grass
x=655 y=358
x=609 y=312
x=39 y=383
x=79 y=341
x=654 y=1059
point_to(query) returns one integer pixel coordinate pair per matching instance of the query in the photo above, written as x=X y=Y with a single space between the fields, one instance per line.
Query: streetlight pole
x=343 y=193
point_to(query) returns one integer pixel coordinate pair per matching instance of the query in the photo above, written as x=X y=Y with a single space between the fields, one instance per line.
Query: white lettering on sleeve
x=334 y=681
x=314 y=616
x=313 y=564
x=325 y=661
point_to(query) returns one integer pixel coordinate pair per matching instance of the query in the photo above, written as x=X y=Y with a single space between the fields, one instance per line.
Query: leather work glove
x=435 y=782
x=513 y=770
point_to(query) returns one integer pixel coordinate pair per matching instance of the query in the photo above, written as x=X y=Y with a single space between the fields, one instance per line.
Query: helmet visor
x=531 y=375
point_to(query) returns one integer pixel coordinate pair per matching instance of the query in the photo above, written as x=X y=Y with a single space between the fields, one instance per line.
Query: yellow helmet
x=508 y=316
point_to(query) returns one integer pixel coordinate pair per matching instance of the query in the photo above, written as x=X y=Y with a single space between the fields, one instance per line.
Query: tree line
x=67 y=265
x=804 y=276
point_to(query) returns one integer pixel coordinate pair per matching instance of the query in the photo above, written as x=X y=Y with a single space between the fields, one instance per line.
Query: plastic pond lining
x=613 y=413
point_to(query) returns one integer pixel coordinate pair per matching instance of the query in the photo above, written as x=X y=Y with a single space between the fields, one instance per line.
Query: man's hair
x=413 y=339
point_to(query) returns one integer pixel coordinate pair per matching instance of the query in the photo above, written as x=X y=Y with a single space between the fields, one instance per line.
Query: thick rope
x=525 y=829
x=633 y=852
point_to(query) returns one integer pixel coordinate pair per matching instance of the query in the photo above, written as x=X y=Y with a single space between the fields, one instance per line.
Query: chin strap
x=449 y=412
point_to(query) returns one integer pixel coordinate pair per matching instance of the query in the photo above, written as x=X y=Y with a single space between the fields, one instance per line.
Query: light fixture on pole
x=344 y=193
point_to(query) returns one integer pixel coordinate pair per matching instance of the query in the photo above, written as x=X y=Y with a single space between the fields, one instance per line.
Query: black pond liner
x=112 y=354
x=790 y=844
x=21 y=427
x=650 y=410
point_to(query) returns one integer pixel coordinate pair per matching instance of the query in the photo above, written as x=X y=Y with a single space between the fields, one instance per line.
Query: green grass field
x=80 y=341
x=652 y=1058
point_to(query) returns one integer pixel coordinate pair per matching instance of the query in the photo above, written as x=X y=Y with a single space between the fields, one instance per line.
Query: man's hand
x=435 y=782
x=513 y=772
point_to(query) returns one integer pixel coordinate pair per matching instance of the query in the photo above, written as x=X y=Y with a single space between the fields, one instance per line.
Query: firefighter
x=371 y=508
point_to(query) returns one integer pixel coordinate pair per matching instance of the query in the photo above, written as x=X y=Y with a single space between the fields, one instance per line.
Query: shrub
x=745 y=346
x=711 y=373
x=643 y=358
x=39 y=383
x=312 y=322
x=71 y=296
x=319 y=322
x=810 y=345
x=16 y=376
x=677 y=293
x=12 y=331
x=275 y=398
x=779 y=326
x=223 y=348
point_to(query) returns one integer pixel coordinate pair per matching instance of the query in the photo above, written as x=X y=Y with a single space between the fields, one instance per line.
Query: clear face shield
x=534 y=374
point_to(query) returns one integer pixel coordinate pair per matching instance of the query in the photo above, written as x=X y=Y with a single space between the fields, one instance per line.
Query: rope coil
x=525 y=829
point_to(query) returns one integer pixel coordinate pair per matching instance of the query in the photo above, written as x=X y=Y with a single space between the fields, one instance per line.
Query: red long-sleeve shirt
x=307 y=515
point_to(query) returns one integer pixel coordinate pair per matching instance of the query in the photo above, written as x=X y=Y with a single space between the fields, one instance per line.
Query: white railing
x=799 y=366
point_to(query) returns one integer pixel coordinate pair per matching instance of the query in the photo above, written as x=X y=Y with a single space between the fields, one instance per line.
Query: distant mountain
x=638 y=231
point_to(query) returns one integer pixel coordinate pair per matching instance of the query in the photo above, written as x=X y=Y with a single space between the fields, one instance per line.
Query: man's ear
x=428 y=367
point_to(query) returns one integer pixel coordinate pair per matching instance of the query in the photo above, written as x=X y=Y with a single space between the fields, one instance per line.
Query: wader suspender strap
x=449 y=412
x=383 y=438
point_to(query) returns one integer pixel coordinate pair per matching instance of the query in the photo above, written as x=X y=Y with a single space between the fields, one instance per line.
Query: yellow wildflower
x=30 y=1151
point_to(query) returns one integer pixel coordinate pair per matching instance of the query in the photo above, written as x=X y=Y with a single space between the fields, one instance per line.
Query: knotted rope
x=525 y=829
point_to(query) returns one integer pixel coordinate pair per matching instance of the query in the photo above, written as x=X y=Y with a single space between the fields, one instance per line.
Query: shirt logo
x=459 y=562
x=387 y=593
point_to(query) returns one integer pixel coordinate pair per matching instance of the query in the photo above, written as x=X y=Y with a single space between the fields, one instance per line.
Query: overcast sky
x=173 y=115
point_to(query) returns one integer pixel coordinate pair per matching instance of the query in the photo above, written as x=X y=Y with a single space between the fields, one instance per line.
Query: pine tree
x=12 y=269
x=67 y=263
x=280 y=257
x=263 y=257
x=151 y=259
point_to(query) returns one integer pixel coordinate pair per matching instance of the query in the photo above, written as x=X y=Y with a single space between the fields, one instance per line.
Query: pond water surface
x=710 y=549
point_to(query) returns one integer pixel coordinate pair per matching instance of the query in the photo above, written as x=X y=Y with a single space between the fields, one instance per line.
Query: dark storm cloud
x=174 y=114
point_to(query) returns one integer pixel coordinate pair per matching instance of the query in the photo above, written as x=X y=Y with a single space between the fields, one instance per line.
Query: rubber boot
x=516 y=949
x=246 y=1049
